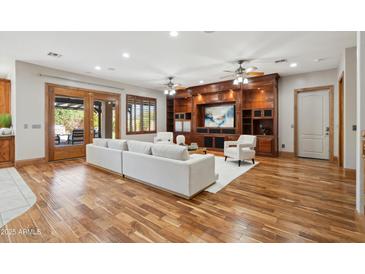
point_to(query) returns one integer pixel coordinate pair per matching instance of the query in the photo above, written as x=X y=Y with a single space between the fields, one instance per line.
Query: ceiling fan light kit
x=170 y=87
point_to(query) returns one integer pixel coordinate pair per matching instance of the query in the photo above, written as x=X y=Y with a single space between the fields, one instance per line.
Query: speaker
x=202 y=130
x=228 y=130
x=214 y=130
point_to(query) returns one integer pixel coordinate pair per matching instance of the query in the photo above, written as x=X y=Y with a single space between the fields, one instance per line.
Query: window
x=141 y=114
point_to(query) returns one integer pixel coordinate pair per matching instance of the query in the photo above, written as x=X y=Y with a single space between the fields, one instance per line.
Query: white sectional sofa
x=107 y=154
x=164 y=166
x=169 y=167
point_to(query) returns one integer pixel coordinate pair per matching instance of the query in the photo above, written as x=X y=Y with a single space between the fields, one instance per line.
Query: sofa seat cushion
x=175 y=152
x=100 y=142
x=140 y=147
x=118 y=144
x=233 y=152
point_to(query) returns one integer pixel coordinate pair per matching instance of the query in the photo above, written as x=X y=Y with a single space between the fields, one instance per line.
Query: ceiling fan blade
x=231 y=71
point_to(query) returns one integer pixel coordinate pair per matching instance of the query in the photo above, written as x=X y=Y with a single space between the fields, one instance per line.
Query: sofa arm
x=230 y=143
x=202 y=173
x=243 y=145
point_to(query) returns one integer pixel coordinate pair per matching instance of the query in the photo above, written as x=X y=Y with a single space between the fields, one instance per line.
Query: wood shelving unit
x=255 y=107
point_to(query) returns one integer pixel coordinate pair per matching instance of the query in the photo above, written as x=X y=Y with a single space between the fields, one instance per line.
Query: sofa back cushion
x=118 y=144
x=175 y=152
x=100 y=142
x=139 y=147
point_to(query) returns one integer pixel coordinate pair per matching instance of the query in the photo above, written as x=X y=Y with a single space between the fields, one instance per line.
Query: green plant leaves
x=5 y=120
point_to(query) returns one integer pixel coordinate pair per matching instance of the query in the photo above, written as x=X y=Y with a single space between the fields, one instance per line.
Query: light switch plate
x=36 y=126
x=25 y=126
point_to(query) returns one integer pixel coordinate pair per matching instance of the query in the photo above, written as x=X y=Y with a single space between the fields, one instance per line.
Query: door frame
x=89 y=94
x=341 y=128
x=330 y=89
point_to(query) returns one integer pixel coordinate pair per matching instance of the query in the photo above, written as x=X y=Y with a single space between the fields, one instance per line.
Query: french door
x=77 y=116
x=68 y=123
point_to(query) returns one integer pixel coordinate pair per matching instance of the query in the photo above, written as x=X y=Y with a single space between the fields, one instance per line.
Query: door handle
x=327 y=130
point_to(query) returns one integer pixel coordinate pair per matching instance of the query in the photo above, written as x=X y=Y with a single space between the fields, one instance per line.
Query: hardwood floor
x=281 y=200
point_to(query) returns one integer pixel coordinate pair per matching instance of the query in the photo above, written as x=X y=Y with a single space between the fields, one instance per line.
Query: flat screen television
x=221 y=116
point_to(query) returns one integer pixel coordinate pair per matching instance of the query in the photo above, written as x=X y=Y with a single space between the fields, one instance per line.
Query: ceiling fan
x=172 y=87
x=241 y=74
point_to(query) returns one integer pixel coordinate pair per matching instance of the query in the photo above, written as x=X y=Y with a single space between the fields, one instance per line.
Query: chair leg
x=225 y=158
x=253 y=161
x=239 y=162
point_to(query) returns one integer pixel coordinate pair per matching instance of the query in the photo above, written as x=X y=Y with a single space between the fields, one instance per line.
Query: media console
x=255 y=112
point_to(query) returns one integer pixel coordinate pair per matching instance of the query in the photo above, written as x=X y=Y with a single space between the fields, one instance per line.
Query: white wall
x=30 y=105
x=348 y=67
x=287 y=85
x=360 y=121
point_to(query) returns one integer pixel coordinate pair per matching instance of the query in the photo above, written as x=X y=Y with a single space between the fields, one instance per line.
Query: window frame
x=142 y=99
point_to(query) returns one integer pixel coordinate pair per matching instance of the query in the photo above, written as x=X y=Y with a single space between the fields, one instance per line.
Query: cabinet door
x=4 y=96
x=265 y=145
x=5 y=149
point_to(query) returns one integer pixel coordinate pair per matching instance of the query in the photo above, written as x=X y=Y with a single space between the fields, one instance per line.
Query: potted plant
x=5 y=124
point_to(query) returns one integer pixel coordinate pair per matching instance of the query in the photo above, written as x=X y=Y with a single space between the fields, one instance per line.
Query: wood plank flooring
x=281 y=200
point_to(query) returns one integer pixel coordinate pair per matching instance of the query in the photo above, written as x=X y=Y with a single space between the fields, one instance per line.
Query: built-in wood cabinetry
x=256 y=112
x=6 y=142
x=5 y=96
x=6 y=151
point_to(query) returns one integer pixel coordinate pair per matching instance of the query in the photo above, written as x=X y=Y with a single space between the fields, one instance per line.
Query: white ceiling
x=190 y=57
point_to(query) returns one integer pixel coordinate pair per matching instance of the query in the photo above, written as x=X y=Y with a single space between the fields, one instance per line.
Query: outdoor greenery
x=69 y=118
x=5 y=120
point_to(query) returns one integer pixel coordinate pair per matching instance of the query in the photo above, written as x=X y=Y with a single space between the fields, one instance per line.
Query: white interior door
x=313 y=124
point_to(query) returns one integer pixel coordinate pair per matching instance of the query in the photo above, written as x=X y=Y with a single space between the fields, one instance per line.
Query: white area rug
x=228 y=171
x=15 y=195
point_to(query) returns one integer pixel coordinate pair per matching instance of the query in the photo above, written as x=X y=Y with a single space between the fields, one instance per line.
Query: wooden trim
x=330 y=89
x=84 y=89
x=108 y=97
x=126 y=115
x=28 y=162
x=286 y=154
x=341 y=133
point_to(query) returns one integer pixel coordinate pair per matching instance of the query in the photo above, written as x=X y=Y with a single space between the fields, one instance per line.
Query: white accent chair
x=164 y=138
x=241 y=150
x=180 y=139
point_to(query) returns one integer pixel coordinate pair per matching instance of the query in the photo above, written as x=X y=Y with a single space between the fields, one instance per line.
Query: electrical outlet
x=282 y=145
x=25 y=126
x=354 y=127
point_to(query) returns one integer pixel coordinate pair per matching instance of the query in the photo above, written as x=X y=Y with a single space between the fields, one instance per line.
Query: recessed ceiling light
x=293 y=65
x=126 y=55
x=201 y=82
x=318 y=60
x=111 y=69
x=174 y=33
x=54 y=54
x=97 y=68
